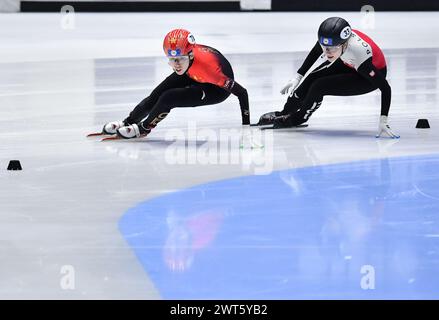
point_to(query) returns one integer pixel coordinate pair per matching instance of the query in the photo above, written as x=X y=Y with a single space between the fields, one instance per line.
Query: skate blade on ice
x=95 y=134
x=260 y=125
x=120 y=138
x=98 y=134
x=294 y=127
x=113 y=138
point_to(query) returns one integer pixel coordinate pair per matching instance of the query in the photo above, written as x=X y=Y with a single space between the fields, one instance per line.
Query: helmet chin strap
x=344 y=46
x=191 y=60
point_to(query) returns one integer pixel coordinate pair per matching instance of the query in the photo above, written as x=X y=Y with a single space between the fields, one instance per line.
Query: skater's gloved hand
x=291 y=85
x=245 y=114
x=385 y=128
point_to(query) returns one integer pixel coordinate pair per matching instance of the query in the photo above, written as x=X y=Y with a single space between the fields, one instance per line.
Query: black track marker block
x=14 y=165
x=422 y=124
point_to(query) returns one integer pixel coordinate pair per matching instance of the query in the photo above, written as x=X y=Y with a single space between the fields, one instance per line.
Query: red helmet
x=178 y=42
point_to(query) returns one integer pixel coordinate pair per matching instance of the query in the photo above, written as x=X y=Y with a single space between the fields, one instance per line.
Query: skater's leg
x=325 y=69
x=348 y=84
x=145 y=106
x=192 y=96
x=351 y=84
x=293 y=102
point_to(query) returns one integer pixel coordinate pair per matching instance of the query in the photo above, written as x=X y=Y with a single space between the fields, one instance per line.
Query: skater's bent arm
x=370 y=72
x=242 y=95
x=220 y=79
x=312 y=57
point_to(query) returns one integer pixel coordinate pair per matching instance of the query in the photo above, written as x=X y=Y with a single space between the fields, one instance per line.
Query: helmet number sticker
x=345 y=33
x=191 y=38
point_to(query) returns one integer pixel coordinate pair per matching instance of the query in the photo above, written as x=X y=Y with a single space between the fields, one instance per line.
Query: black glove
x=245 y=114
x=242 y=95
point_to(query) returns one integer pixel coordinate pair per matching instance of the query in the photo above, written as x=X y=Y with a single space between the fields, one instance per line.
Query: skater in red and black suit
x=354 y=65
x=202 y=76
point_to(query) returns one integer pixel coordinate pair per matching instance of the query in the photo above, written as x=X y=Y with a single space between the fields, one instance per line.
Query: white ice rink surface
x=57 y=84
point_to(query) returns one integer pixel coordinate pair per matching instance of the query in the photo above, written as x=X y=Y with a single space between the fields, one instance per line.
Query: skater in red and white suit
x=354 y=65
x=202 y=76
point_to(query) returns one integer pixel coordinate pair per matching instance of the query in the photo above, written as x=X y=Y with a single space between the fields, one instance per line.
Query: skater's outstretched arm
x=293 y=83
x=218 y=78
x=312 y=57
x=242 y=95
x=378 y=80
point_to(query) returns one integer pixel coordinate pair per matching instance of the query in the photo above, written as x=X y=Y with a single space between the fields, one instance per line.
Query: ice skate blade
x=112 y=138
x=97 y=134
x=294 y=127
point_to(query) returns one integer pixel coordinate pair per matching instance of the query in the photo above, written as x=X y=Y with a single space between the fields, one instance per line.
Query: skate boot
x=111 y=127
x=132 y=131
x=288 y=121
x=268 y=118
